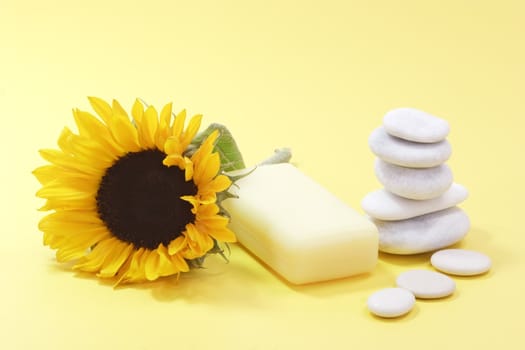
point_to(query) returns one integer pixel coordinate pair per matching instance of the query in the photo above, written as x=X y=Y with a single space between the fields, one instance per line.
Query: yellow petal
x=69 y=254
x=142 y=261
x=137 y=111
x=72 y=182
x=87 y=238
x=166 y=113
x=63 y=140
x=207 y=169
x=73 y=232
x=87 y=124
x=75 y=246
x=184 y=163
x=80 y=184
x=63 y=193
x=192 y=251
x=174 y=159
x=219 y=184
x=95 y=260
x=60 y=204
x=131 y=270
x=193 y=201
x=172 y=146
x=46 y=173
x=223 y=234
x=149 y=127
x=151 y=267
x=191 y=130
x=204 y=242
x=165 y=267
x=124 y=133
x=206 y=147
x=117 y=109
x=49 y=173
x=102 y=108
x=208 y=210
x=53 y=240
x=66 y=161
x=188 y=169
x=180 y=263
x=216 y=227
x=72 y=216
x=176 y=245
x=163 y=130
x=116 y=260
x=178 y=125
x=85 y=149
x=93 y=129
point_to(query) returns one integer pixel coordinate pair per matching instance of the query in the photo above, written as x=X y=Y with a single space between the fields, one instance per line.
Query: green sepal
x=234 y=178
x=199 y=262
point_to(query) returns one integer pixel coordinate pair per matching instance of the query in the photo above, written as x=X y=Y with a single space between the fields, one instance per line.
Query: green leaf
x=231 y=157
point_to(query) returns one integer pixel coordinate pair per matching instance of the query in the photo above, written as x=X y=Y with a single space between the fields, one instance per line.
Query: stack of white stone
x=417 y=210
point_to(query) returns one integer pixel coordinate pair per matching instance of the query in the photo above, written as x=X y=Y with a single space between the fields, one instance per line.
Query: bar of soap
x=298 y=228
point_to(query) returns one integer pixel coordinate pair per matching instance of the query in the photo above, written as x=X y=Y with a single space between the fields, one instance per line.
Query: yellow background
x=316 y=76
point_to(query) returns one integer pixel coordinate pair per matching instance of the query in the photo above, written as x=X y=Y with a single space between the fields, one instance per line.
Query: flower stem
x=280 y=155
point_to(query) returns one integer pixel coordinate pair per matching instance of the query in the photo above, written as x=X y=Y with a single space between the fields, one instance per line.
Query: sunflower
x=133 y=199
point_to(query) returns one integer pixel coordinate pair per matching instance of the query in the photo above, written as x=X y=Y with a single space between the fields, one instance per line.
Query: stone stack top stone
x=414 y=125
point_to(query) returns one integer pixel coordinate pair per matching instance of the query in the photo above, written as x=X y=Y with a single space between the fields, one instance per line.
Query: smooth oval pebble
x=461 y=262
x=413 y=183
x=426 y=284
x=391 y=302
x=423 y=233
x=414 y=125
x=406 y=153
x=384 y=205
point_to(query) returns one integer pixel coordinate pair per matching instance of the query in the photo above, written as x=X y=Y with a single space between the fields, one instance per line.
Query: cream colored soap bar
x=298 y=228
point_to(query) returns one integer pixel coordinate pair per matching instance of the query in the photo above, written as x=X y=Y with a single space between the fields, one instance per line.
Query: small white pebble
x=391 y=302
x=461 y=262
x=426 y=284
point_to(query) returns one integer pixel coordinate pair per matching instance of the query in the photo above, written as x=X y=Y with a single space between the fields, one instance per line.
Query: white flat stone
x=384 y=205
x=407 y=153
x=391 y=302
x=461 y=262
x=426 y=284
x=415 y=125
x=413 y=183
x=424 y=233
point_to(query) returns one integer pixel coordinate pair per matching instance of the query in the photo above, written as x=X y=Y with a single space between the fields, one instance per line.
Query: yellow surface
x=315 y=76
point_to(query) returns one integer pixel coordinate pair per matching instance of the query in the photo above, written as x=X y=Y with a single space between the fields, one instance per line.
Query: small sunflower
x=133 y=199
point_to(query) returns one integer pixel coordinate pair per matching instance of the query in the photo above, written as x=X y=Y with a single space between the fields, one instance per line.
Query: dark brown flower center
x=139 y=199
